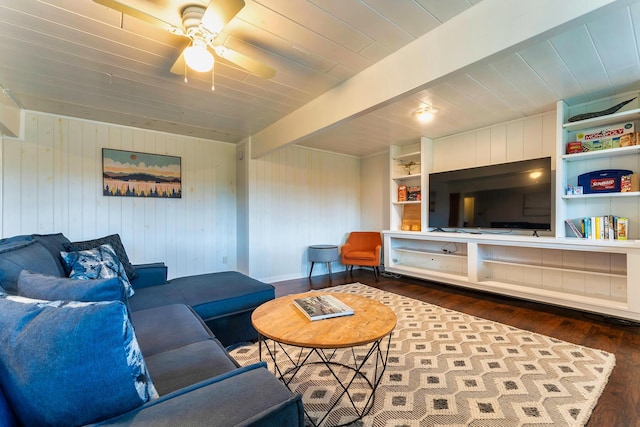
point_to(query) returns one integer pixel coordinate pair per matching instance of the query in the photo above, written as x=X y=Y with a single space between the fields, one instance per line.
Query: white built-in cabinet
x=570 y=166
x=600 y=276
x=596 y=276
x=416 y=175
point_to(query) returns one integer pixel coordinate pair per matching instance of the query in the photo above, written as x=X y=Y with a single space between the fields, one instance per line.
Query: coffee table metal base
x=364 y=368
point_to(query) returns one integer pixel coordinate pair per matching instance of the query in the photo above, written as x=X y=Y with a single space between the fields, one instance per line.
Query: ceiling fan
x=202 y=24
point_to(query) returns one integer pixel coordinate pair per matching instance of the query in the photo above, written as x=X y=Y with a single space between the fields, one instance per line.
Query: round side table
x=323 y=253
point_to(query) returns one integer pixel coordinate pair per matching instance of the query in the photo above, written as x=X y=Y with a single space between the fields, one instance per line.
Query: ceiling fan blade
x=219 y=13
x=243 y=61
x=146 y=11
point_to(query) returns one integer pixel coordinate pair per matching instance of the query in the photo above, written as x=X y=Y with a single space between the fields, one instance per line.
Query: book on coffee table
x=322 y=307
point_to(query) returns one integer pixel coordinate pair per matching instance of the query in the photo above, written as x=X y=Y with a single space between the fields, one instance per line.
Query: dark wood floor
x=619 y=405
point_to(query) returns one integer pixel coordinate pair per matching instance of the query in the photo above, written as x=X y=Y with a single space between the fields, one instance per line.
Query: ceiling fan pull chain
x=186 y=80
x=213 y=87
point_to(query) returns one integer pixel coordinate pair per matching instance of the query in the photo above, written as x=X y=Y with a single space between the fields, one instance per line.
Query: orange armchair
x=363 y=249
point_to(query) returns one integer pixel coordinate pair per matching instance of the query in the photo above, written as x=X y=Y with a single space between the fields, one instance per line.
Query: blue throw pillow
x=99 y=263
x=41 y=286
x=70 y=363
x=54 y=244
x=18 y=253
x=116 y=244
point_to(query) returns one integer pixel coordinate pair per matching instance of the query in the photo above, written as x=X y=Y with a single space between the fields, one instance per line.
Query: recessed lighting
x=425 y=113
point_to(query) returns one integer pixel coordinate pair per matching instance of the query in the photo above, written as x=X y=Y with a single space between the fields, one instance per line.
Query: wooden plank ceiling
x=81 y=59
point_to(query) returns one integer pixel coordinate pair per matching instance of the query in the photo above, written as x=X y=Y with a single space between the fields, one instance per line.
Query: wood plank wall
x=296 y=196
x=51 y=182
x=299 y=197
x=521 y=139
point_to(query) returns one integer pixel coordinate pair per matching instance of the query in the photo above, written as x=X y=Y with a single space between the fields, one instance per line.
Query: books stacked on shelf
x=322 y=307
x=606 y=227
x=413 y=193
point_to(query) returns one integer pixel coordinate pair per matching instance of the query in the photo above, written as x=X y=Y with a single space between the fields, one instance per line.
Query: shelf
x=413 y=202
x=551 y=295
x=406 y=177
x=560 y=269
x=604 y=120
x=402 y=268
x=430 y=252
x=408 y=156
x=601 y=195
x=606 y=287
x=610 y=152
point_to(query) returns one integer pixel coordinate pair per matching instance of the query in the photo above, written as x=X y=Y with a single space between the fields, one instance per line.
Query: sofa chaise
x=78 y=352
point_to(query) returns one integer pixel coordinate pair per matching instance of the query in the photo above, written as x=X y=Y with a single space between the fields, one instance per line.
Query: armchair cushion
x=362 y=248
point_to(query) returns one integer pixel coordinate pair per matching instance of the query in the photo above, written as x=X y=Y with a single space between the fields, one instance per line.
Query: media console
x=598 y=276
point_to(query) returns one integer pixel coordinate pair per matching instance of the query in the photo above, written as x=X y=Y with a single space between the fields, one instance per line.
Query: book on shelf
x=319 y=307
x=605 y=227
x=413 y=193
x=574 y=229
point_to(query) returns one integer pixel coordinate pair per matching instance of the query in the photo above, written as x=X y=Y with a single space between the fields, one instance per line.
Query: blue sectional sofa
x=157 y=357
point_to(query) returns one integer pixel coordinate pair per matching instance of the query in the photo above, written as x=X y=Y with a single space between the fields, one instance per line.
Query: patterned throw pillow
x=115 y=242
x=70 y=363
x=99 y=263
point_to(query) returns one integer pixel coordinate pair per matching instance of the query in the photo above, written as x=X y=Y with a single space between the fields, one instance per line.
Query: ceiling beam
x=485 y=30
x=11 y=114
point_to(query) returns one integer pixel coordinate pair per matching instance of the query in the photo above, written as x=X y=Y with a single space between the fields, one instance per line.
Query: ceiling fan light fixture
x=425 y=113
x=198 y=57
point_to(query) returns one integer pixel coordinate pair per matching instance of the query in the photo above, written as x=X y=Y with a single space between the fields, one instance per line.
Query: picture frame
x=134 y=174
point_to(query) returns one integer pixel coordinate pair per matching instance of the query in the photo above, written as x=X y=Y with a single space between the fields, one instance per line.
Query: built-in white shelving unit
x=596 y=276
x=570 y=166
x=600 y=276
x=416 y=176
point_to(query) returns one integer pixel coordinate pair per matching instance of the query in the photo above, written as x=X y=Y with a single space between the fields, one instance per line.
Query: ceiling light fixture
x=198 y=57
x=425 y=113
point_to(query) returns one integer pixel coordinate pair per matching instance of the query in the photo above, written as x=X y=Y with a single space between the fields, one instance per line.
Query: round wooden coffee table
x=299 y=342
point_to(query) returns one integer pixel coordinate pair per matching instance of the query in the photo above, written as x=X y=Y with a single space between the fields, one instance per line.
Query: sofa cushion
x=115 y=242
x=151 y=274
x=167 y=327
x=70 y=363
x=216 y=294
x=174 y=369
x=41 y=286
x=19 y=253
x=248 y=396
x=98 y=263
x=155 y=296
x=54 y=243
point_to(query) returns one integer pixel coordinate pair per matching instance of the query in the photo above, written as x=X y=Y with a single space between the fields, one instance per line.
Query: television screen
x=514 y=195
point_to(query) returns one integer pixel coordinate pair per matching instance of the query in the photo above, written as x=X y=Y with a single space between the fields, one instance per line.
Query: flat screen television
x=515 y=195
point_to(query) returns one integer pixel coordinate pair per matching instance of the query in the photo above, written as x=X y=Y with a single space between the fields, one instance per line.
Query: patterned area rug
x=447 y=368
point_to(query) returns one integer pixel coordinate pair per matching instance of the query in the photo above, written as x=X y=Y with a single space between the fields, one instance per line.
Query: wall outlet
x=224 y=259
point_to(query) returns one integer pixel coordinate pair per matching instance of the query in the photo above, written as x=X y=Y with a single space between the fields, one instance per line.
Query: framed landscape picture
x=132 y=174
